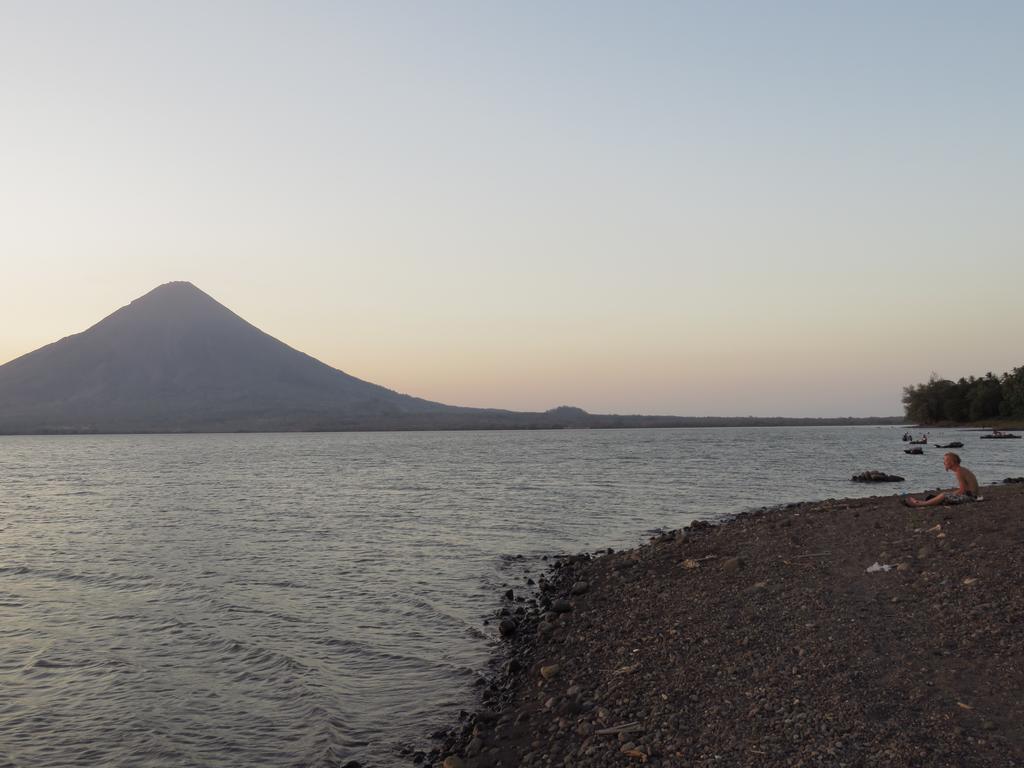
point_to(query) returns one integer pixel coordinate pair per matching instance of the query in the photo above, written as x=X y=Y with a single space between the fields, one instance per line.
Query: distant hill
x=567 y=412
x=175 y=360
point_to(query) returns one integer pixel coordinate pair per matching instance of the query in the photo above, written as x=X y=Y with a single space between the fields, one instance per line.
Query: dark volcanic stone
x=733 y=564
x=874 y=476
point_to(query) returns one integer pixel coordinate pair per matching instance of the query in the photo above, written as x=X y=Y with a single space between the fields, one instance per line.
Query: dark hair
x=956 y=458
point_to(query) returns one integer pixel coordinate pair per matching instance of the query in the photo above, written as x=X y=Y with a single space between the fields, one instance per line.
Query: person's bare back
x=968 y=481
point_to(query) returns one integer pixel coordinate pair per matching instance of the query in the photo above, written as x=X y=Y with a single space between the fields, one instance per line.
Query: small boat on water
x=954 y=444
x=1000 y=436
x=914 y=451
x=923 y=441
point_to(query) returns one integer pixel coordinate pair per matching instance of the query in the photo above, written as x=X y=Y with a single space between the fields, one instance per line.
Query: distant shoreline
x=983 y=426
x=492 y=423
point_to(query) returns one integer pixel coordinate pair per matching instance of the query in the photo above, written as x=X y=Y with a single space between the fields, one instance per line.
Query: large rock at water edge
x=874 y=476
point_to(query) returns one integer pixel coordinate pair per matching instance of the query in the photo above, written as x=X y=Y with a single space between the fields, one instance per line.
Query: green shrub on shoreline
x=966 y=401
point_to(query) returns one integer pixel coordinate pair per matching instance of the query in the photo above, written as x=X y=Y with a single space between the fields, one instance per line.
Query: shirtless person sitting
x=968 y=490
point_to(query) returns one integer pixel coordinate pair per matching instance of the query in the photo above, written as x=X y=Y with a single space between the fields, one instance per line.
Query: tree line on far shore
x=966 y=400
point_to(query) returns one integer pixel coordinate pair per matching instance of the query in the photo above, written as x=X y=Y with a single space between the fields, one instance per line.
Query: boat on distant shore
x=998 y=434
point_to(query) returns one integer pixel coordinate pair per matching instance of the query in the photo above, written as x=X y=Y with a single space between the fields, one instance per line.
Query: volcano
x=177 y=360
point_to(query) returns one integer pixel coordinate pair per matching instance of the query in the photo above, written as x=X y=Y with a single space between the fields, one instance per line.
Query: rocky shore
x=851 y=632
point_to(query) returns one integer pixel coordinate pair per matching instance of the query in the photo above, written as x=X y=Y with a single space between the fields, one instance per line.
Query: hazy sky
x=789 y=208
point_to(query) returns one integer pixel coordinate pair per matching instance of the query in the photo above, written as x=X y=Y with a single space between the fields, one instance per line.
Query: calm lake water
x=305 y=599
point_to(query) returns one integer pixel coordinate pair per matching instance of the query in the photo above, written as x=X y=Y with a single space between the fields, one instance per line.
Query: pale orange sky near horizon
x=679 y=211
x=450 y=357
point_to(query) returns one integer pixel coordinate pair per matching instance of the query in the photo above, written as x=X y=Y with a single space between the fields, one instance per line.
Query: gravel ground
x=765 y=641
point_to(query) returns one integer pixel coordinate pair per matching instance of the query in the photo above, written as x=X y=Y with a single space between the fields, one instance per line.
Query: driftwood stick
x=624 y=728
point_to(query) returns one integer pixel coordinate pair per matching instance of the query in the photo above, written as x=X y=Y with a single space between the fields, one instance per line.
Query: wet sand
x=764 y=641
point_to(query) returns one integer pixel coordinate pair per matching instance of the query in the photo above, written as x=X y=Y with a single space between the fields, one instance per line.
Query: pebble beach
x=847 y=632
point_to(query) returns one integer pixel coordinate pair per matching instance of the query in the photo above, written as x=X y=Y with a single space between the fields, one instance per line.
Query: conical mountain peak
x=175 y=286
x=180 y=293
x=174 y=290
x=176 y=359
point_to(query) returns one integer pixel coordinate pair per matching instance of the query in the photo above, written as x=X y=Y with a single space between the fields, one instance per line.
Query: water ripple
x=302 y=600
